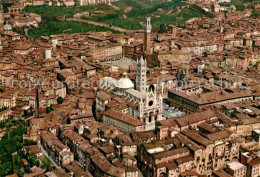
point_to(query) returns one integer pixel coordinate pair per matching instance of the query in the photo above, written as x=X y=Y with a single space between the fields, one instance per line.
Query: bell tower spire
x=141 y=75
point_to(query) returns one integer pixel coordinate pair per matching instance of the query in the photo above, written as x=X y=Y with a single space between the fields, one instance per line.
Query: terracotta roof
x=123 y=117
x=218 y=135
x=172 y=152
x=184 y=160
x=195 y=117
x=254 y=162
x=221 y=173
x=103 y=96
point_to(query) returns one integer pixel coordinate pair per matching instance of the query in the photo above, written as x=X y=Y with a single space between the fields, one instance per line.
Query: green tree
x=29 y=142
x=50 y=108
x=46 y=164
x=11 y=142
x=163 y=28
x=3 y=108
x=60 y=100
x=33 y=160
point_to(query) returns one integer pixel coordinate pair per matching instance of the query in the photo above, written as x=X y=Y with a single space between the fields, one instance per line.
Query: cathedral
x=143 y=103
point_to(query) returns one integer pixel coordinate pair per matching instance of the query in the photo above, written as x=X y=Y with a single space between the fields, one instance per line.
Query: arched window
x=151 y=88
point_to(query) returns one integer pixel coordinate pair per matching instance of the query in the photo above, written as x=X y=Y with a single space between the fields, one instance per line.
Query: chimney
x=47 y=53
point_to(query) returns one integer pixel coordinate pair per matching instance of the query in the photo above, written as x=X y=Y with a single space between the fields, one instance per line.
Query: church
x=142 y=101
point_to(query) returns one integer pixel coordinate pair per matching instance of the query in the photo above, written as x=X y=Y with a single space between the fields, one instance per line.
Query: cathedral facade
x=142 y=101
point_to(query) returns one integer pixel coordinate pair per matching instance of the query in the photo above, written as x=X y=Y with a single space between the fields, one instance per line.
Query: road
x=104 y=25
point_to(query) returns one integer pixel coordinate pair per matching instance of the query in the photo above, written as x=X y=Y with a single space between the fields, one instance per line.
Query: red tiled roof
x=123 y=117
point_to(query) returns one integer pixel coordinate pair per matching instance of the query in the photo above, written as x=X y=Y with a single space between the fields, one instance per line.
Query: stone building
x=122 y=121
x=143 y=102
x=189 y=102
x=94 y=2
x=56 y=149
x=253 y=167
x=236 y=169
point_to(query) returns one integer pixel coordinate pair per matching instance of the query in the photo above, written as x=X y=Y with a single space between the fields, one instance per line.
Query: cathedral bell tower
x=1 y=25
x=147 y=35
x=141 y=75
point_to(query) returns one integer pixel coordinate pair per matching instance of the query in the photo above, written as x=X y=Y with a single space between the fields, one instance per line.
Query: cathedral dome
x=125 y=82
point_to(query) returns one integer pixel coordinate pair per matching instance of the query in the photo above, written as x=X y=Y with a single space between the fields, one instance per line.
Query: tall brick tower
x=2 y=20
x=147 y=35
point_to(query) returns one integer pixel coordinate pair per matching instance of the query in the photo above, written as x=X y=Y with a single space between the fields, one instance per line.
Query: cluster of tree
x=132 y=3
x=202 y=11
x=127 y=23
x=240 y=4
x=11 y=153
x=60 y=100
x=50 y=108
x=51 y=26
x=6 y=5
x=255 y=14
x=164 y=5
x=163 y=28
x=20 y=168
x=102 y=18
x=3 y=108
x=53 y=11
x=10 y=143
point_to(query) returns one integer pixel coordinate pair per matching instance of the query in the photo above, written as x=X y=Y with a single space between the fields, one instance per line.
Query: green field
x=128 y=14
x=50 y=25
x=52 y=11
x=161 y=13
x=11 y=142
x=240 y=4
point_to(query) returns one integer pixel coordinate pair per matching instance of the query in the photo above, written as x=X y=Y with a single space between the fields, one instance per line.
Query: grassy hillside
x=128 y=15
x=50 y=25
x=161 y=12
